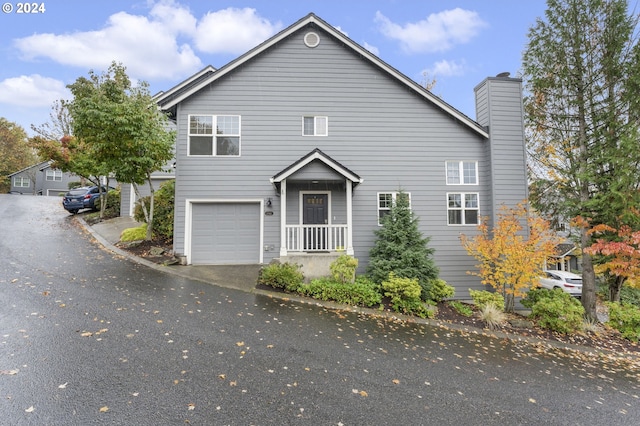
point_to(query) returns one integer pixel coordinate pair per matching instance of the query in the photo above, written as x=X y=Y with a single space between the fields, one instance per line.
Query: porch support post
x=283 y=218
x=349 y=218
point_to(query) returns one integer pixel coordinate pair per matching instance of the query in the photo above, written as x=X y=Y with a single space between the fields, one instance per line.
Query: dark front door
x=315 y=211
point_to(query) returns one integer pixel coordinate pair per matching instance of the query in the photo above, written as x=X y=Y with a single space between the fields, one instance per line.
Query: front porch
x=315 y=206
x=317 y=238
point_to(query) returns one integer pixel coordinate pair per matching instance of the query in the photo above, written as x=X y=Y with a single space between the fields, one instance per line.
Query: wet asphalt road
x=87 y=337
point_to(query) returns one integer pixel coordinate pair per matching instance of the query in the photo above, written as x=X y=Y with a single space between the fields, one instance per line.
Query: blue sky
x=457 y=42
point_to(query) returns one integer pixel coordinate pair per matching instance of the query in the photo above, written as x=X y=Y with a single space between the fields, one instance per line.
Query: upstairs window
x=315 y=126
x=225 y=141
x=386 y=201
x=462 y=172
x=54 y=175
x=463 y=209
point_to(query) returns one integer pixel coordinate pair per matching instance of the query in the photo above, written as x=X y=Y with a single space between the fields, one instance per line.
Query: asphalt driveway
x=90 y=337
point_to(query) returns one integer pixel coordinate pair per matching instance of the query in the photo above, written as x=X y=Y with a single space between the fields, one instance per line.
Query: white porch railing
x=316 y=237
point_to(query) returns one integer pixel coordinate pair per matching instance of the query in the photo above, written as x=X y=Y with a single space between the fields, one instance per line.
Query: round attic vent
x=311 y=39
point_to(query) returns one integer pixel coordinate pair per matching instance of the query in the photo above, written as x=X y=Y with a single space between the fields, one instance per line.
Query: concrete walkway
x=240 y=277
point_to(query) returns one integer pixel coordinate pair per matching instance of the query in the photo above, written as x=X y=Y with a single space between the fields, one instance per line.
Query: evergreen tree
x=580 y=68
x=400 y=247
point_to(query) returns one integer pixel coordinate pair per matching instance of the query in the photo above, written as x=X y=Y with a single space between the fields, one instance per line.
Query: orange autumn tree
x=511 y=261
x=621 y=251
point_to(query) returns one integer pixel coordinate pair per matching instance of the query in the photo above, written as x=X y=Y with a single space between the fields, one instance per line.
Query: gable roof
x=314 y=155
x=41 y=166
x=189 y=87
x=163 y=97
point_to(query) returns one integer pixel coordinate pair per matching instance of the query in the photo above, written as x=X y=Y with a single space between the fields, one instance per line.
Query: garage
x=225 y=233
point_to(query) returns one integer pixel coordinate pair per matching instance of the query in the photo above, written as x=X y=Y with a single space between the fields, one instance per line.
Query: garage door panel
x=225 y=233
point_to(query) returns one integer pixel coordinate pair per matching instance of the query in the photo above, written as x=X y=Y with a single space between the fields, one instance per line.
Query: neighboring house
x=295 y=150
x=41 y=179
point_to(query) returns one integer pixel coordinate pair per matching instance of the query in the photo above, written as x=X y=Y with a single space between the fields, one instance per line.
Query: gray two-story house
x=296 y=149
x=41 y=179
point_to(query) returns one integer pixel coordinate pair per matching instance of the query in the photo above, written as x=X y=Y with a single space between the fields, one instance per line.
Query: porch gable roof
x=314 y=155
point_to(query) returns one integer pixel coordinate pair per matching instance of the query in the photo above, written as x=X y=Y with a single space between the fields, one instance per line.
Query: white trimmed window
x=21 y=182
x=386 y=201
x=463 y=208
x=315 y=126
x=54 y=175
x=224 y=142
x=462 y=172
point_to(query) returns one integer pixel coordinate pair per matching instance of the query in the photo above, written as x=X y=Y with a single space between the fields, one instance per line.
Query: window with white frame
x=225 y=141
x=54 y=175
x=21 y=182
x=462 y=172
x=386 y=201
x=463 y=208
x=315 y=126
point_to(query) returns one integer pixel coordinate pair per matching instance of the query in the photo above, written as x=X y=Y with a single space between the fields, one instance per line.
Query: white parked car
x=567 y=281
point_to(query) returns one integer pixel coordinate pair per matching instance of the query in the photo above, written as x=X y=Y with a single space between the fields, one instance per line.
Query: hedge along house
x=296 y=149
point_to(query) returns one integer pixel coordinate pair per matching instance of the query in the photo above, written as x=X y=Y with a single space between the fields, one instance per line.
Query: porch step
x=313 y=265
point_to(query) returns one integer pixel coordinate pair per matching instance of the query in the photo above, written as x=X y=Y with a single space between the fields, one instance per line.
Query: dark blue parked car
x=82 y=198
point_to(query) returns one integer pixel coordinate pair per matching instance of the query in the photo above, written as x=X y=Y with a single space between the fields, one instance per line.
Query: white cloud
x=446 y=68
x=371 y=49
x=437 y=33
x=174 y=18
x=233 y=31
x=148 y=47
x=32 y=91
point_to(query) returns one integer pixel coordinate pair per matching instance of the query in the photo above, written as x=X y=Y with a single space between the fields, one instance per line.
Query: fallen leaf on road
x=104 y=409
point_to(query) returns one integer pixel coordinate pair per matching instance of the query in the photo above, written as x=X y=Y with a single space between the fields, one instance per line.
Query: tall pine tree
x=580 y=67
x=400 y=247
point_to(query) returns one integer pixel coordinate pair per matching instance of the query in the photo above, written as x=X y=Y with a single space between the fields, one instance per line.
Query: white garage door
x=225 y=233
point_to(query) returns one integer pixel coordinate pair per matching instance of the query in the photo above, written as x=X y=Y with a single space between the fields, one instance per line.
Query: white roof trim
x=161 y=95
x=316 y=156
x=311 y=18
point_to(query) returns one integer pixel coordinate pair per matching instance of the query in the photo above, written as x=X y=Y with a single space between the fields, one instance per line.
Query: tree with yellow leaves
x=511 y=257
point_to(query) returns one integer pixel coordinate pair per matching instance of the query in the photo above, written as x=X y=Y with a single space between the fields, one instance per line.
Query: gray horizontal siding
x=378 y=128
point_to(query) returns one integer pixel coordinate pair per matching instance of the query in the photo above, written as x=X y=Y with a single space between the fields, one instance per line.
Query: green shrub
x=405 y=296
x=134 y=234
x=361 y=292
x=481 y=298
x=461 y=308
x=630 y=295
x=112 y=209
x=343 y=269
x=438 y=290
x=533 y=296
x=558 y=311
x=398 y=288
x=626 y=319
x=286 y=276
x=163 y=208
